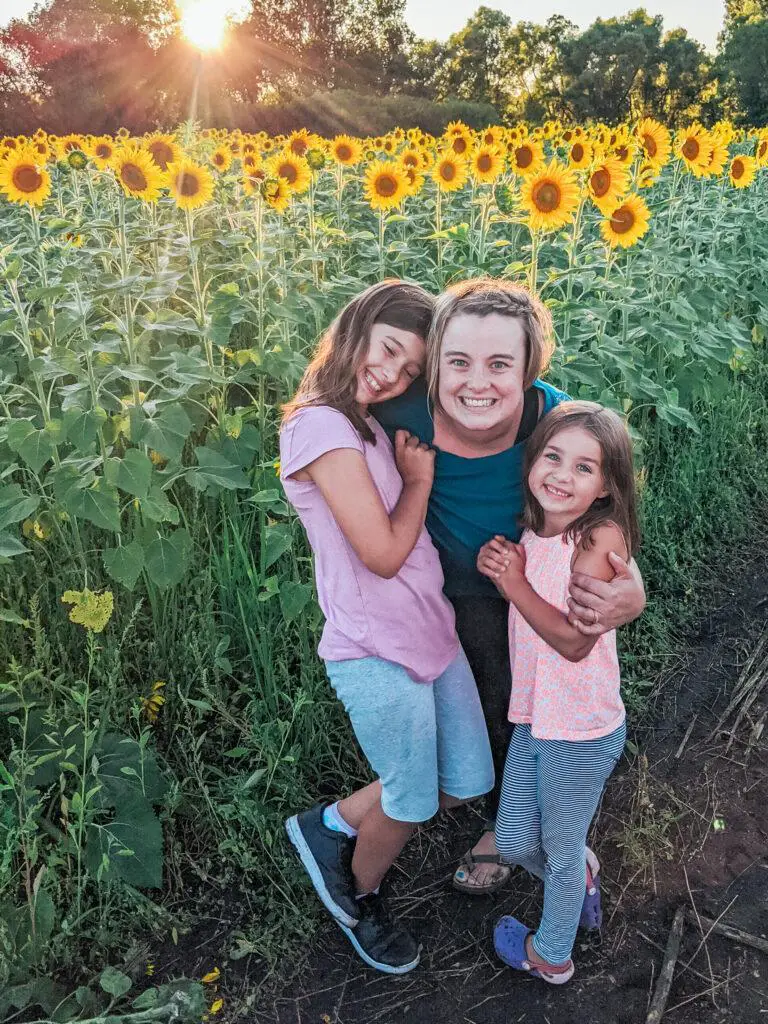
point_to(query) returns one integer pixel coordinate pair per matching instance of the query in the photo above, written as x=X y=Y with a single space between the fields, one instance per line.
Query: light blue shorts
x=419 y=738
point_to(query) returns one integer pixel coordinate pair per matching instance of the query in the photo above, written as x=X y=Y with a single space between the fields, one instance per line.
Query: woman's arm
x=597 y=606
x=381 y=541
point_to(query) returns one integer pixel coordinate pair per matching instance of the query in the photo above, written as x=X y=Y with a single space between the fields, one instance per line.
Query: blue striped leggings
x=549 y=796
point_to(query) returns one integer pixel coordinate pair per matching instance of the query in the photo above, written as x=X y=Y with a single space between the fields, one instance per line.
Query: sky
x=702 y=18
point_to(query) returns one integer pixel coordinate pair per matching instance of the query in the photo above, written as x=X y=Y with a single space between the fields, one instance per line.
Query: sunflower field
x=162 y=705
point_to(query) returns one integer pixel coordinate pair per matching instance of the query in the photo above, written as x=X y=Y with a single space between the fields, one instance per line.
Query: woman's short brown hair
x=482 y=296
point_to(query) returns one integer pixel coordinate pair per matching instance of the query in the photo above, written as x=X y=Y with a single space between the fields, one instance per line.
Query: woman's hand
x=596 y=607
x=503 y=562
x=415 y=460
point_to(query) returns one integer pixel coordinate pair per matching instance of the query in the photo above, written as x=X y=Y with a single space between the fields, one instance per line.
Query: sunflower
x=460 y=145
x=9 y=142
x=694 y=146
x=294 y=169
x=68 y=142
x=346 y=150
x=526 y=157
x=252 y=178
x=163 y=149
x=624 y=152
x=761 y=150
x=276 y=193
x=190 y=184
x=607 y=182
x=137 y=173
x=389 y=145
x=23 y=178
x=719 y=156
x=486 y=163
x=101 y=150
x=221 y=158
x=299 y=142
x=385 y=184
x=493 y=135
x=414 y=177
x=550 y=197
x=411 y=157
x=579 y=154
x=626 y=223
x=654 y=140
x=450 y=172
x=742 y=171
x=647 y=174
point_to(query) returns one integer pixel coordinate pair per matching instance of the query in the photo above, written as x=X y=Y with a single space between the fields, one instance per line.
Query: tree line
x=92 y=65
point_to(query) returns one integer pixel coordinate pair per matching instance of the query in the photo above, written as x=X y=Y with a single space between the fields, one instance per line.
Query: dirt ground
x=684 y=824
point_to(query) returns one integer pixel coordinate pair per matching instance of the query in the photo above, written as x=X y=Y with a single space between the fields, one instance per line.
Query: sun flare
x=204 y=22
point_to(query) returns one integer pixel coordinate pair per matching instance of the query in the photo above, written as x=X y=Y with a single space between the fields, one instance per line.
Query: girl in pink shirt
x=570 y=722
x=389 y=642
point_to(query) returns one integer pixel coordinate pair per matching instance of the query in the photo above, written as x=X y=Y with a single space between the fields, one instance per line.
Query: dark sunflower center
x=524 y=156
x=488 y=139
x=26 y=178
x=577 y=152
x=133 y=177
x=299 y=147
x=691 y=148
x=410 y=160
x=448 y=172
x=460 y=144
x=567 y=135
x=649 y=145
x=546 y=197
x=622 y=220
x=344 y=152
x=622 y=153
x=762 y=149
x=288 y=171
x=484 y=163
x=601 y=182
x=162 y=154
x=103 y=151
x=737 y=169
x=386 y=186
x=188 y=185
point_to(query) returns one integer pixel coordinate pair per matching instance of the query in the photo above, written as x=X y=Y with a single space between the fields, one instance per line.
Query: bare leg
x=379 y=841
x=353 y=808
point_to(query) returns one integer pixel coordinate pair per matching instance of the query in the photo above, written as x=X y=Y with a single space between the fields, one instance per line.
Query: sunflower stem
x=572 y=244
x=438 y=232
x=533 y=269
x=124 y=265
x=382 y=260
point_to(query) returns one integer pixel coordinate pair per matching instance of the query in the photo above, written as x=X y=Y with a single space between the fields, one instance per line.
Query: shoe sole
x=312 y=868
x=384 y=968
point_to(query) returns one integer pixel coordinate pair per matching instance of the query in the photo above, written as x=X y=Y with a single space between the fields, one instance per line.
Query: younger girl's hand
x=503 y=562
x=415 y=460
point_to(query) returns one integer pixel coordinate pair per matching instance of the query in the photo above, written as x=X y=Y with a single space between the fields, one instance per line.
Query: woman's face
x=395 y=358
x=482 y=368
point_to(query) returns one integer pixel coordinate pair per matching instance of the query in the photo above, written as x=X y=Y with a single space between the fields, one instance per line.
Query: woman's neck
x=456 y=439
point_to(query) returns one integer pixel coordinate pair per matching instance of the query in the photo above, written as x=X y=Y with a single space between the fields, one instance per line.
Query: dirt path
x=686 y=823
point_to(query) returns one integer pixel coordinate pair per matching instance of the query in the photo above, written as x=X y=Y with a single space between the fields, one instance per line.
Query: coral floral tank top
x=560 y=699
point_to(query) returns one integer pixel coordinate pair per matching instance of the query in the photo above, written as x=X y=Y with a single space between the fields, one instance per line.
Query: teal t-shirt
x=471 y=499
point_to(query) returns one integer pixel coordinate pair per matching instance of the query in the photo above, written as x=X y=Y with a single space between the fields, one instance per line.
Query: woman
x=489 y=343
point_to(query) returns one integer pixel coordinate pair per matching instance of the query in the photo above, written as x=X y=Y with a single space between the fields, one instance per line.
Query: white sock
x=333 y=820
x=373 y=892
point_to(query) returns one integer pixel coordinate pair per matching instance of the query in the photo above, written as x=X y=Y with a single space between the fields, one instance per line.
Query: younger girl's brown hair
x=331 y=377
x=483 y=296
x=619 y=506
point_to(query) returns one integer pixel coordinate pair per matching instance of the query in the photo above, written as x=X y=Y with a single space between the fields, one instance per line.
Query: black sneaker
x=327 y=858
x=380 y=941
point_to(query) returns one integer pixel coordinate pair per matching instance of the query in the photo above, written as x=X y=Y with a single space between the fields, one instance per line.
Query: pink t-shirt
x=406 y=619
x=560 y=699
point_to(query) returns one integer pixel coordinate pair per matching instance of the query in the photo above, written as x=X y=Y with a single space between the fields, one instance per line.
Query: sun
x=205 y=22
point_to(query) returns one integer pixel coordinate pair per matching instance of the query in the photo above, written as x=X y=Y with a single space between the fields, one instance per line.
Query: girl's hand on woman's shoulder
x=503 y=562
x=414 y=458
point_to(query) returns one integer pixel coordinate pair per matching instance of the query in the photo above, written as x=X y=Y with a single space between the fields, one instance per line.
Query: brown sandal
x=471 y=861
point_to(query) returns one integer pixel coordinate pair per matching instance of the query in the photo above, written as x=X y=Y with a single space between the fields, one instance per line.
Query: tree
x=743 y=69
x=534 y=62
x=476 y=68
x=608 y=63
x=683 y=76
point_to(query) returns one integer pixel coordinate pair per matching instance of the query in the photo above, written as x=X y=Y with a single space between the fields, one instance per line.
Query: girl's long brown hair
x=620 y=504
x=331 y=377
